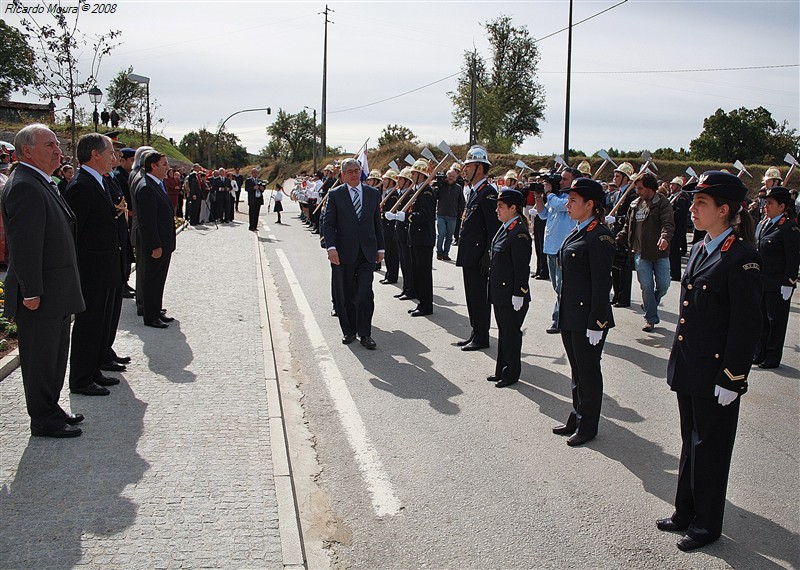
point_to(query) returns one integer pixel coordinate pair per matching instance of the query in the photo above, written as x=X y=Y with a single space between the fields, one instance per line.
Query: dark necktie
x=765 y=227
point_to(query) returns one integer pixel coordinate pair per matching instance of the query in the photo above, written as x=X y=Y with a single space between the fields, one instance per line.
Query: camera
x=440 y=179
x=261 y=184
x=536 y=187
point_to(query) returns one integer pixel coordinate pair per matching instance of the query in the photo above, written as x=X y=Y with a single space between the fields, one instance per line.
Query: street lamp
x=222 y=126
x=95 y=95
x=315 y=136
x=135 y=78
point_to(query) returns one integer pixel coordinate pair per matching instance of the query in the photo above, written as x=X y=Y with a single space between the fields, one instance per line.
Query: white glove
x=400 y=216
x=594 y=336
x=610 y=220
x=389 y=215
x=724 y=396
x=786 y=292
x=516 y=302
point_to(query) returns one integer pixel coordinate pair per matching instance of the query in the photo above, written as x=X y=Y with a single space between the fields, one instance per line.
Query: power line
x=581 y=21
x=642 y=71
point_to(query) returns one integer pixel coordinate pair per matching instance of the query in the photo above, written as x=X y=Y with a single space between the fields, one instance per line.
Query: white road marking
x=384 y=500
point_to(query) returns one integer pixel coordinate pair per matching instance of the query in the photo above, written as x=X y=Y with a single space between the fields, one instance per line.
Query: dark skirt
x=278 y=207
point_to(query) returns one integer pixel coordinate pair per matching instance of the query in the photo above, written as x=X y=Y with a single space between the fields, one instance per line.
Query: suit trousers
x=774 y=320
x=355 y=301
x=43 y=351
x=407 y=267
x=114 y=314
x=708 y=432
x=154 y=279
x=675 y=258
x=194 y=211
x=392 y=258
x=587 y=381
x=253 y=211
x=478 y=308
x=90 y=334
x=509 y=341
x=137 y=252
x=422 y=262
x=621 y=279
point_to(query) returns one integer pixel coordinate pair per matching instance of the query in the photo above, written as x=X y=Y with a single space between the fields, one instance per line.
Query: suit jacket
x=720 y=320
x=98 y=243
x=349 y=234
x=585 y=258
x=422 y=219
x=251 y=188
x=40 y=235
x=156 y=223
x=779 y=247
x=478 y=228
x=510 y=267
x=196 y=185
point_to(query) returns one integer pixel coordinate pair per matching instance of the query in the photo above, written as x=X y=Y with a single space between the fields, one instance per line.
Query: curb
x=9 y=363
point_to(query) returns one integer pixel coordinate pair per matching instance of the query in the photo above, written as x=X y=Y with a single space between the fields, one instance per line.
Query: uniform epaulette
x=728 y=243
x=592 y=226
x=783 y=219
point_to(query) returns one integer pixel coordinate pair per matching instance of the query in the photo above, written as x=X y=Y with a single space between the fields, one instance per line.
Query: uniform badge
x=592 y=226
x=607 y=238
x=749 y=266
x=728 y=243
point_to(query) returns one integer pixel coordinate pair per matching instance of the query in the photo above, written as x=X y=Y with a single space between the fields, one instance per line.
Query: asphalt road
x=420 y=462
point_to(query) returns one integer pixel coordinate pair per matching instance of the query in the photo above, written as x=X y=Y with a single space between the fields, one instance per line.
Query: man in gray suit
x=42 y=286
x=354 y=237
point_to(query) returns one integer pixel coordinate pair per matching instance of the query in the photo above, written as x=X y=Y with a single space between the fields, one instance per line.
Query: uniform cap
x=511 y=196
x=584 y=167
x=477 y=153
x=374 y=175
x=421 y=166
x=677 y=180
x=406 y=173
x=720 y=185
x=625 y=168
x=588 y=189
x=511 y=175
x=773 y=173
x=391 y=174
x=128 y=152
x=780 y=194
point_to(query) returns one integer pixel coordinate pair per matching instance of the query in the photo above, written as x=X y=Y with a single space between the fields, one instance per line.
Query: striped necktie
x=356 y=202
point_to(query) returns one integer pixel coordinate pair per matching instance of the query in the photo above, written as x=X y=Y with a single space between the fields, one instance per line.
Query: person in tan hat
x=622 y=270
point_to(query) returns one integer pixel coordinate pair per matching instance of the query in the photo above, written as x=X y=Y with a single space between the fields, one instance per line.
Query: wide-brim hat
x=780 y=194
x=720 y=185
x=589 y=189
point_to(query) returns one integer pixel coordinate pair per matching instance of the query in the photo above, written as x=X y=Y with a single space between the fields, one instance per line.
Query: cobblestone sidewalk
x=173 y=469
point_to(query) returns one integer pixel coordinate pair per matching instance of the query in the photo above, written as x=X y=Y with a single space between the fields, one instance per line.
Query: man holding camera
x=255 y=198
x=450 y=203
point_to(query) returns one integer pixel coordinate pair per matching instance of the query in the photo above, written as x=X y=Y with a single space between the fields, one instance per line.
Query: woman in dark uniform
x=509 y=291
x=778 y=242
x=585 y=315
x=717 y=331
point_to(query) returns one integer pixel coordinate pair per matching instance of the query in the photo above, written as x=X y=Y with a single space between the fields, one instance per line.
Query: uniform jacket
x=478 y=227
x=510 y=266
x=97 y=235
x=779 y=247
x=422 y=219
x=720 y=320
x=657 y=224
x=388 y=225
x=680 y=216
x=156 y=224
x=349 y=234
x=585 y=258
x=400 y=234
x=40 y=235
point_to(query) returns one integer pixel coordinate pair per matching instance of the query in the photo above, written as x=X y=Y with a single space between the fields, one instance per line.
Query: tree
x=396 y=133
x=16 y=57
x=749 y=135
x=125 y=96
x=292 y=136
x=201 y=147
x=510 y=102
x=59 y=73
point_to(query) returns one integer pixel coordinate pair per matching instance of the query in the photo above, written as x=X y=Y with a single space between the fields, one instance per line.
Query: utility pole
x=324 y=114
x=569 y=77
x=315 y=136
x=473 y=101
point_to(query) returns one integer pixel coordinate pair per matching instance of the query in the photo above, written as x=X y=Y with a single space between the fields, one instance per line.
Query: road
x=406 y=457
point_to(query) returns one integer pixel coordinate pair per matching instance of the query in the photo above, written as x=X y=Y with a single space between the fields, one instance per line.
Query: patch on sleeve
x=733 y=377
x=749 y=266
x=524 y=236
x=608 y=238
x=796 y=229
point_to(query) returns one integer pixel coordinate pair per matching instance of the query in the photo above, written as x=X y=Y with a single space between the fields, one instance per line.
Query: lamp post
x=315 y=136
x=219 y=131
x=135 y=78
x=95 y=95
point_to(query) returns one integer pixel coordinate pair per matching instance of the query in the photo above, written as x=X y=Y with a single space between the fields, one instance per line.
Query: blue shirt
x=584 y=223
x=713 y=244
x=559 y=224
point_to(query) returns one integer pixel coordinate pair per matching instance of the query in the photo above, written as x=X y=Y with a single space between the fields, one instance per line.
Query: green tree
x=125 y=96
x=510 y=101
x=749 y=135
x=292 y=135
x=201 y=147
x=396 y=133
x=16 y=58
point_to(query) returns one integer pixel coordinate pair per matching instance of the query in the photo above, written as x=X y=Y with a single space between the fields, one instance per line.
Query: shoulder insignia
x=513 y=225
x=592 y=226
x=728 y=242
x=608 y=238
x=602 y=325
x=524 y=291
x=733 y=377
x=524 y=235
x=793 y=281
x=783 y=219
x=749 y=266
x=796 y=229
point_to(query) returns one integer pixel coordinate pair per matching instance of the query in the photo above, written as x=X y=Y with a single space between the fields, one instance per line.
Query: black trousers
x=708 y=432
x=194 y=211
x=774 y=320
x=116 y=310
x=253 y=211
x=137 y=253
x=509 y=341
x=422 y=263
x=542 y=269
x=90 y=334
x=355 y=301
x=392 y=258
x=407 y=267
x=621 y=278
x=153 y=281
x=43 y=351
x=478 y=308
x=587 y=381
x=229 y=207
x=676 y=252
x=218 y=207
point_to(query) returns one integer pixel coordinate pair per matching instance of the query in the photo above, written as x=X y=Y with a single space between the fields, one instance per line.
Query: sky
x=207 y=60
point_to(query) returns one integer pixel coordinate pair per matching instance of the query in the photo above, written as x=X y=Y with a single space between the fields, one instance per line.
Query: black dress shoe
x=553 y=329
x=412 y=310
x=505 y=382
x=622 y=305
x=687 y=543
x=768 y=365
x=128 y=294
x=464 y=342
x=73 y=419
x=66 y=431
x=670 y=525
x=139 y=312
x=492 y=378
x=122 y=359
x=156 y=324
x=106 y=381
x=113 y=367
x=405 y=297
x=348 y=338
x=474 y=346
x=163 y=311
x=401 y=294
x=563 y=429
x=542 y=278
x=367 y=342
x=577 y=439
x=418 y=313
x=334 y=313
x=91 y=390
x=387 y=282
x=166 y=319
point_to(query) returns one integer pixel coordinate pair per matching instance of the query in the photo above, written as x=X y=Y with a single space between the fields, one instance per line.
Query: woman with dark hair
x=712 y=353
x=173 y=185
x=66 y=173
x=584 y=317
x=778 y=242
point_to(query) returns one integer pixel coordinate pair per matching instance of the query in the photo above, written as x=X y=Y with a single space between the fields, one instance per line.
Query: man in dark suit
x=42 y=286
x=196 y=195
x=156 y=236
x=255 y=198
x=239 y=181
x=120 y=174
x=354 y=238
x=99 y=264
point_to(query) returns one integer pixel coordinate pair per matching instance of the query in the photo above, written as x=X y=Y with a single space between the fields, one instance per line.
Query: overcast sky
x=207 y=60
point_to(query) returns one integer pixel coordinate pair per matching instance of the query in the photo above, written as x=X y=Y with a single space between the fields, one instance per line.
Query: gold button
x=503 y=283
x=680 y=337
x=573 y=255
x=686 y=303
x=705 y=287
x=581 y=303
x=683 y=321
x=716 y=356
x=690 y=286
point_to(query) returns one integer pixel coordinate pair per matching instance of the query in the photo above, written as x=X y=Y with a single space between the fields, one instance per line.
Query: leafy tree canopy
x=201 y=147
x=396 y=133
x=16 y=58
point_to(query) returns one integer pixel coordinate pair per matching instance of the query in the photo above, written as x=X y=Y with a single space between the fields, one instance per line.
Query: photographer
x=450 y=203
x=255 y=198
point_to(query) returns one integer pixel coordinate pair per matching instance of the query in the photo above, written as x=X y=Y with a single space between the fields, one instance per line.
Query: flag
x=362 y=160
